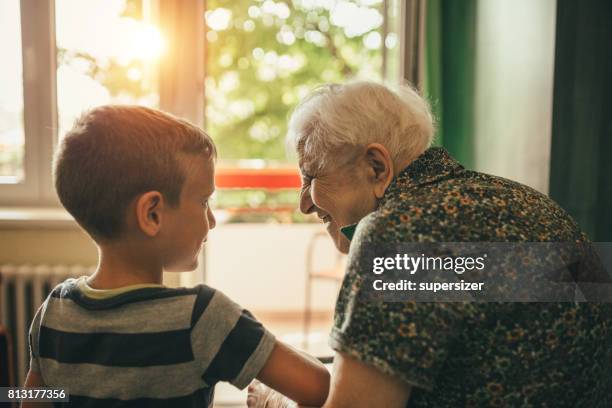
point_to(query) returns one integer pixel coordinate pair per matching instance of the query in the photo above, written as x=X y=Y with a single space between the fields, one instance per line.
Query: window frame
x=39 y=106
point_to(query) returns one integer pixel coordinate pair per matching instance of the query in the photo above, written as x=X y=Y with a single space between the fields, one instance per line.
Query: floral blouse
x=474 y=354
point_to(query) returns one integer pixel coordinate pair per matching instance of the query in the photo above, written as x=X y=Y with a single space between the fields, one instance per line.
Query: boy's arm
x=34 y=379
x=295 y=374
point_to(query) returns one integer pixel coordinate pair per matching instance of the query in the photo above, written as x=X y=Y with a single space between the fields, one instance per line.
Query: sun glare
x=145 y=42
x=107 y=56
x=134 y=40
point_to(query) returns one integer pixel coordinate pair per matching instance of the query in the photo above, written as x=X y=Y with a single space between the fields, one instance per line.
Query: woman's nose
x=212 y=221
x=306 y=204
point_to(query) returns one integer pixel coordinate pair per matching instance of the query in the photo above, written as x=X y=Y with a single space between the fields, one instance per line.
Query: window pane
x=11 y=96
x=263 y=57
x=108 y=52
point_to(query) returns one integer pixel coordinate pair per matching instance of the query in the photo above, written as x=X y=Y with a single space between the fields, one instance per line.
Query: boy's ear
x=380 y=166
x=149 y=208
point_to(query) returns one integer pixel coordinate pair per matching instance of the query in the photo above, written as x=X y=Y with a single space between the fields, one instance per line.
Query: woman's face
x=340 y=196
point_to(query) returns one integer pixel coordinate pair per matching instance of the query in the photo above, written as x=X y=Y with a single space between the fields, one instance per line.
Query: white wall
x=514 y=87
x=263 y=267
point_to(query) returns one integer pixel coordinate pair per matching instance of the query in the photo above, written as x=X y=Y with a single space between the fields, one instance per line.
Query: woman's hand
x=262 y=396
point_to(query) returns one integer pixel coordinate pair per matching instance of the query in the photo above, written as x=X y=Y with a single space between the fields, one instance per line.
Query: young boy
x=138 y=182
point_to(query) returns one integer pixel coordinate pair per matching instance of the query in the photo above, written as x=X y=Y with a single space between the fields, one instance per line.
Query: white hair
x=334 y=119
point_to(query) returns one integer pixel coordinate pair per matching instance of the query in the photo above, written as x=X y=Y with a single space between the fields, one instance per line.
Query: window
x=11 y=97
x=27 y=111
x=261 y=58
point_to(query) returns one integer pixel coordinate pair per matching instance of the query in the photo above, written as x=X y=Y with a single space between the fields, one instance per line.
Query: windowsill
x=35 y=217
x=258 y=178
x=57 y=217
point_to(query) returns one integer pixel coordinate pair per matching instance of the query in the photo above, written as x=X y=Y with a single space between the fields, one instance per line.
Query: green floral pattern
x=474 y=354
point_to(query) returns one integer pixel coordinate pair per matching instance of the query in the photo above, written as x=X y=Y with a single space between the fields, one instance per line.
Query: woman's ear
x=381 y=167
x=149 y=208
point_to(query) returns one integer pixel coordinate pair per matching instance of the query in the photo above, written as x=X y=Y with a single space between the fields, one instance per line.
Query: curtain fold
x=449 y=80
x=581 y=166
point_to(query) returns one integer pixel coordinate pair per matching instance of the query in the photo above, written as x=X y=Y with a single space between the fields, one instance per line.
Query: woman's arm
x=297 y=375
x=34 y=379
x=355 y=385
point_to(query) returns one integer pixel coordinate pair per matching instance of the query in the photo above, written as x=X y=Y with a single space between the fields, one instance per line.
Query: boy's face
x=185 y=227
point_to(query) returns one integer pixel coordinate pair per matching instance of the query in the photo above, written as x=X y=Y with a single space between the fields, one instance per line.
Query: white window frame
x=39 y=110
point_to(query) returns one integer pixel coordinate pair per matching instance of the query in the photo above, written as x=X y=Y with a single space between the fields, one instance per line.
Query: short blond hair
x=335 y=118
x=113 y=153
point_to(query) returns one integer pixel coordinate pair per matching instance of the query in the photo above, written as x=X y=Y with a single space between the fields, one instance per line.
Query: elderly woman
x=365 y=158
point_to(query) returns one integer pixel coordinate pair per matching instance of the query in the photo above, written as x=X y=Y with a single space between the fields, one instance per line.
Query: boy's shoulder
x=198 y=310
x=157 y=301
x=76 y=290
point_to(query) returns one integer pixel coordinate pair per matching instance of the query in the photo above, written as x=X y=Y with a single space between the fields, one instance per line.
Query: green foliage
x=270 y=55
x=259 y=64
x=110 y=73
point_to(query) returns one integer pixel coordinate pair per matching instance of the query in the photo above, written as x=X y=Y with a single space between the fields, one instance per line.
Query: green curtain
x=450 y=53
x=581 y=148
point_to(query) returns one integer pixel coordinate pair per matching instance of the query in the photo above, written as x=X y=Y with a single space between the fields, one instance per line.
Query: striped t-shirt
x=149 y=346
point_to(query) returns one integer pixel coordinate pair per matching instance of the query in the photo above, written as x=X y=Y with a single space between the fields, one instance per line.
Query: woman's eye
x=306 y=179
x=205 y=203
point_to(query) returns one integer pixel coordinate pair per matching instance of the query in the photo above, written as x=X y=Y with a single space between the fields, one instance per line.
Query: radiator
x=23 y=288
